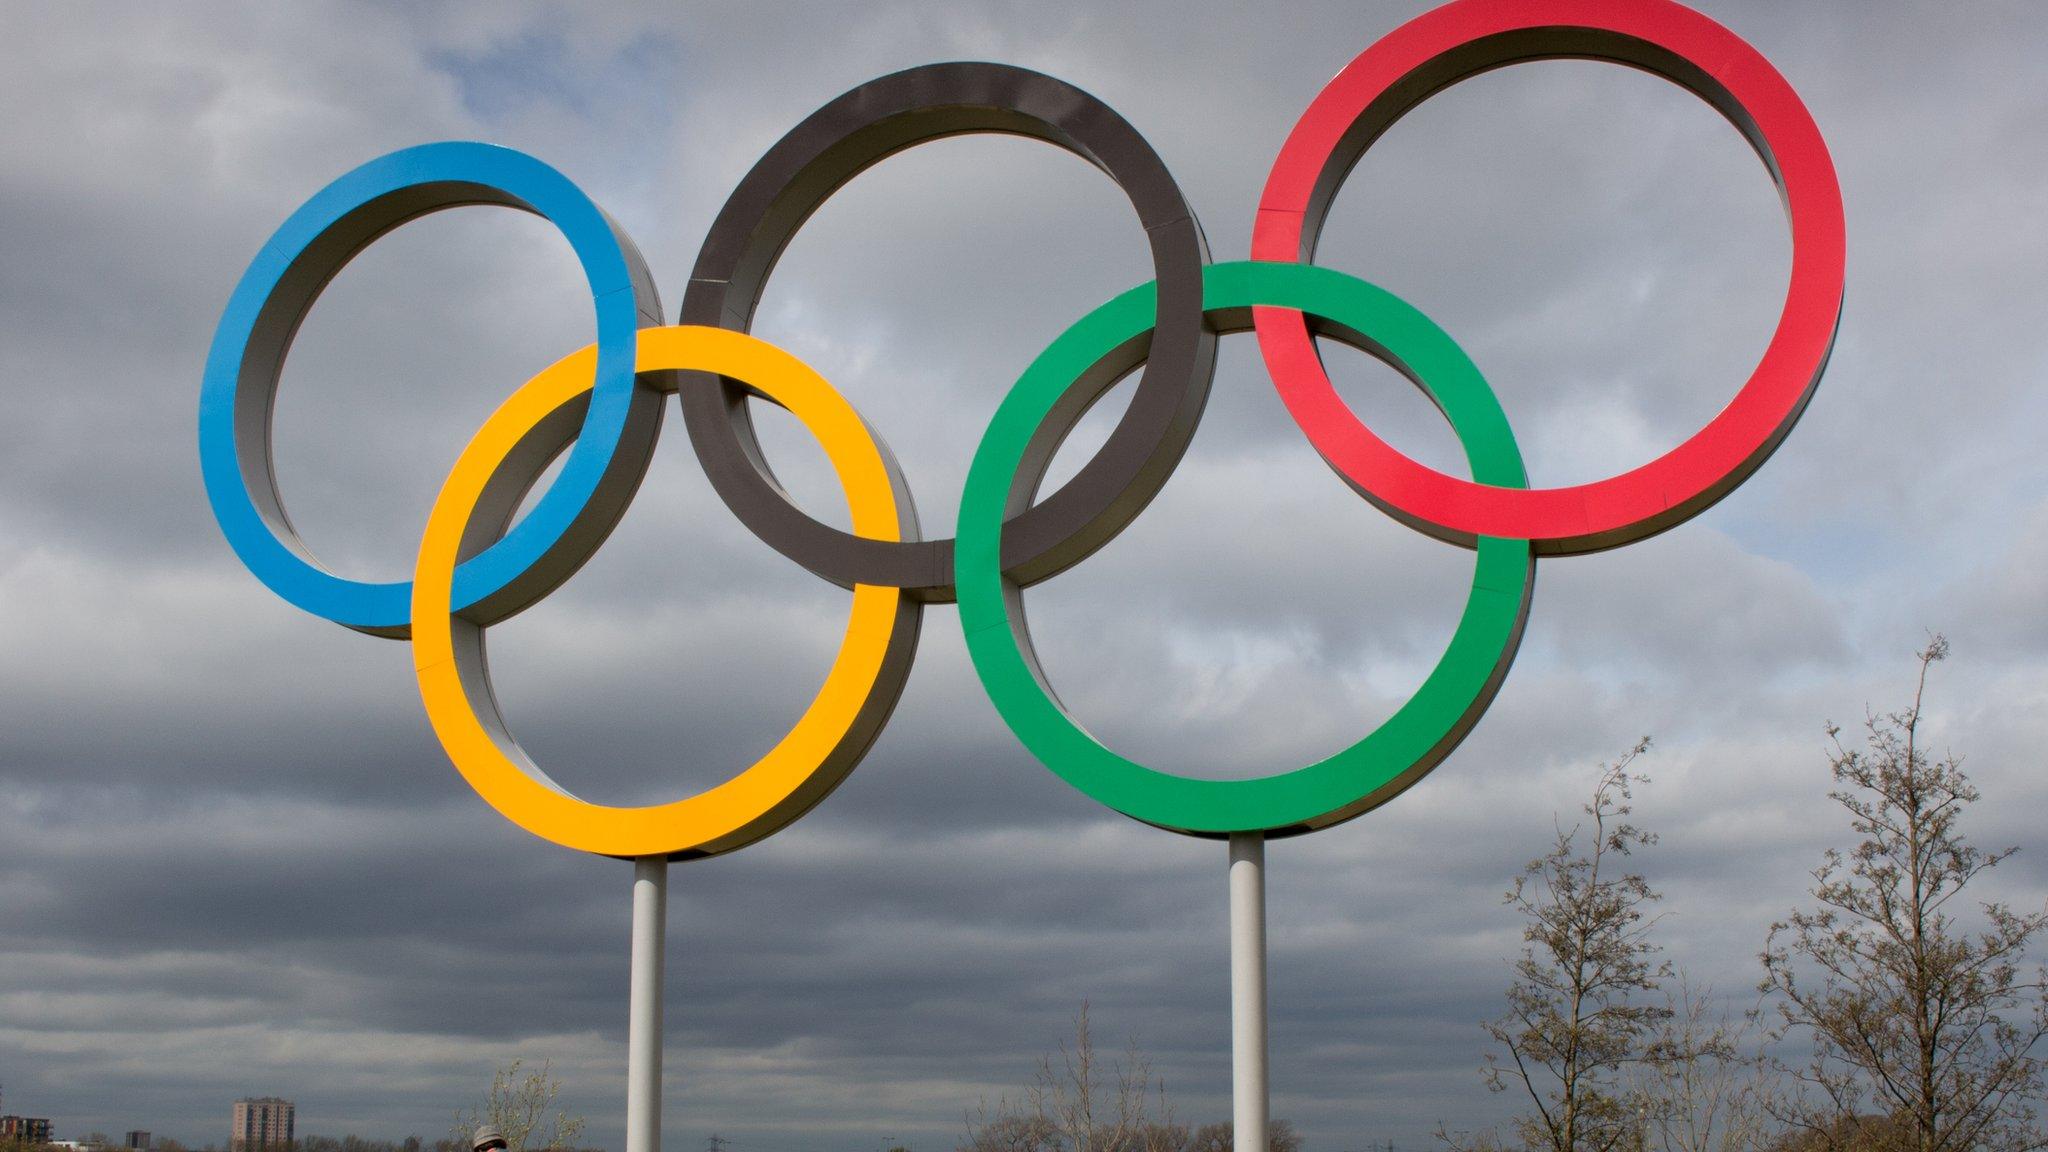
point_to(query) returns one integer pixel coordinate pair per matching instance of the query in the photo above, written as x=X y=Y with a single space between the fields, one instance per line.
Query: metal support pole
x=643 y=1011
x=1248 y=1091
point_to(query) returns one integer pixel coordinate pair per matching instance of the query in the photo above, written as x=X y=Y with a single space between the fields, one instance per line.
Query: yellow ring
x=808 y=762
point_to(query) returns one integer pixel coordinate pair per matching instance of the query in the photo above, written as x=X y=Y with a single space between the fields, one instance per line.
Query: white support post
x=1248 y=1085
x=643 y=1010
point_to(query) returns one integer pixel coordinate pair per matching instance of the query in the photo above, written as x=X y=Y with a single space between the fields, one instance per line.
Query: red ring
x=1461 y=39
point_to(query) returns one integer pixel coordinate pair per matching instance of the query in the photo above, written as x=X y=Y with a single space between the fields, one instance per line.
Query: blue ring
x=378 y=196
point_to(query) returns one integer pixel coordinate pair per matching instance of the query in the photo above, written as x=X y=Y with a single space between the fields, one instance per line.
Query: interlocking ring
x=831 y=147
x=1448 y=44
x=603 y=406
x=1044 y=405
x=510 y=451
x=249 y=345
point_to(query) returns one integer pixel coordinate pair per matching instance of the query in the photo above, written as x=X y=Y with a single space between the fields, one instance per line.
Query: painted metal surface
x=832 y=146
x=1042 y=408
x=598 y=479
x=643 y=1004
x=1448 y=44
x=515 y=445
x=603 y=407
x=1250 y=1084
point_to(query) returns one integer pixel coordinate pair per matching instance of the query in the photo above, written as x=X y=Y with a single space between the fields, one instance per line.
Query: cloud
x=233 y=861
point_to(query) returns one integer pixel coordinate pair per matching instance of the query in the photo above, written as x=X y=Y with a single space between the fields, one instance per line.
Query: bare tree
x=1091 y=1112
x=1280 y=1137
x=1700 y=1087
x=1009 y=1130
x=1582 y=1006
x=1076 y=1104
x=1923 y=1029
x=523 y=1110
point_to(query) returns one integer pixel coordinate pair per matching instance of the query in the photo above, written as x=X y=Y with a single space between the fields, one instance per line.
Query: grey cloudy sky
x=233 y=860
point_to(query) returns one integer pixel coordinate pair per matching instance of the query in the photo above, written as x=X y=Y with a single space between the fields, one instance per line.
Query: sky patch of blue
x=540 y=67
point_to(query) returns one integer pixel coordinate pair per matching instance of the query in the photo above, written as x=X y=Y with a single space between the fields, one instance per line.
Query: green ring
x=1394 y=755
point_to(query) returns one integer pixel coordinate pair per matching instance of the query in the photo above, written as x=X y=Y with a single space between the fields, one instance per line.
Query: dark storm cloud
x=233 y=861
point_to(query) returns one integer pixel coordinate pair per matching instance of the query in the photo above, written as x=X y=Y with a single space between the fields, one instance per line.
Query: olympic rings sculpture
x=603 y=407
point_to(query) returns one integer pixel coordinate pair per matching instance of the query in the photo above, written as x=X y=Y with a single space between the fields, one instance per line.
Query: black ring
x=814 y=160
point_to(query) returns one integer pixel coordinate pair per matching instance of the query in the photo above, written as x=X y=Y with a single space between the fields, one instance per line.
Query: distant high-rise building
x=264 y=1122
x=27 y=1129
x=137 y=1139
